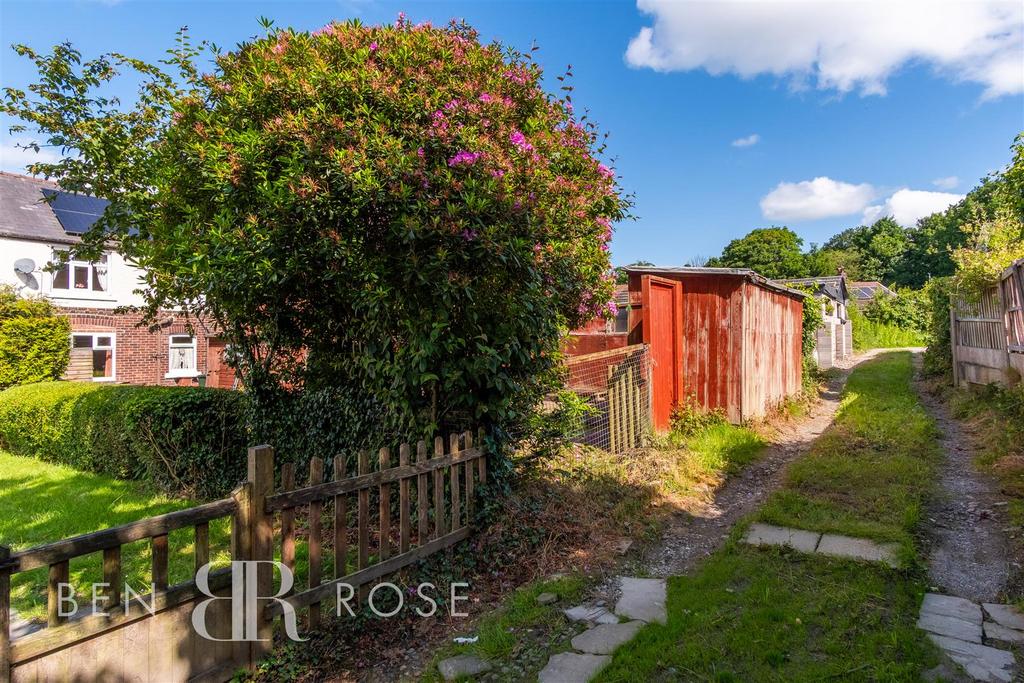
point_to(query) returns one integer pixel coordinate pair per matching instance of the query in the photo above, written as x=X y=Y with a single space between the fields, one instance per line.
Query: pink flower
x=464 y=158
x=373 y=46
x=327 y=28
x=469 y=235
x=605 y=171
x=497 y=173
x=400 y=21
x=485 y=97
x=420 y=153
x=519 y=140
x=279 y=48
x=177 y=117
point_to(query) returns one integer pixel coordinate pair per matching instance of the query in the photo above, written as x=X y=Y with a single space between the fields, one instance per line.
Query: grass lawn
x=41 y=502
x=776 y=615
x=870 y=473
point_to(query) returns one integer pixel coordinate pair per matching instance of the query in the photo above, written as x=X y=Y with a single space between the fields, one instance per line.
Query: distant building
x=106 y=346
x=863 y=292
x=834 y=339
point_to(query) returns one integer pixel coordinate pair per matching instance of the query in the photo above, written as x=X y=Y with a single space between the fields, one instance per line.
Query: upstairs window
x=182 y=356
x=82 y=276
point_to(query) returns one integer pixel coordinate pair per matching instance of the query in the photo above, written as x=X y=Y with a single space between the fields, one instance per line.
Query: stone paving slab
x=569 y=667
x=858 y=549
x=798 y=539
x=462 y=666
x=1005 y=615
x=981 y=662
x=1001 y=634
x=606 y=638
x=595 y=614
x=951 y=606
x=960 y=629
x=642 y=599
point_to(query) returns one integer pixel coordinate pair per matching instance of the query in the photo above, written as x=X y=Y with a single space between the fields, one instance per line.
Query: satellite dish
x=25 y=266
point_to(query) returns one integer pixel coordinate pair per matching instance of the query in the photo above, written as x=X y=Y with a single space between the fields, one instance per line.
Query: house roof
x=833 y=286
x=863 y=291
x=24 y=213
x=38 y=210
x=746 y=273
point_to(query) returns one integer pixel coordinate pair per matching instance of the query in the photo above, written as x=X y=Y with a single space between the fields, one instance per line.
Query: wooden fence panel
x=987 y=335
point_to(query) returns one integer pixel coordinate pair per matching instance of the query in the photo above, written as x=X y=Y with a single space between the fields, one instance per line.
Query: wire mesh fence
x=616 y=385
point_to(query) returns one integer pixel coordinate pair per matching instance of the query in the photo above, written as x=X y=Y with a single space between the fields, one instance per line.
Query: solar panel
x=76 y=212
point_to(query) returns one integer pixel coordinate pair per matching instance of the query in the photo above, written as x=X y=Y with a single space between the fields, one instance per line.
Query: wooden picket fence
x=153 y=639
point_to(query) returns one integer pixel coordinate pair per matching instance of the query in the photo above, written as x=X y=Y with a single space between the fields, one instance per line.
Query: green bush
x=938 y=358
x=868 y=334
x=34 y=341
x=184 y=440
x=907 y=310
x=690 y=417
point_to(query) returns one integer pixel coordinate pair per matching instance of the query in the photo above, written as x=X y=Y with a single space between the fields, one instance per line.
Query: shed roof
x=746 y=273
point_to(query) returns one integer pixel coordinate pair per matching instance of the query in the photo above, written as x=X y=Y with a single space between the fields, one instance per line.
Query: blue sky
x=885 y=106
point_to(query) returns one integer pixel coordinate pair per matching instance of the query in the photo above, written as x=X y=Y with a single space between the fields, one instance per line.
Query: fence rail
x=150 y=638
x=987 y=335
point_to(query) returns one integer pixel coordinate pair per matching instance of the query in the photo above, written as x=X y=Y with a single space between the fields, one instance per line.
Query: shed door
x=662 y=330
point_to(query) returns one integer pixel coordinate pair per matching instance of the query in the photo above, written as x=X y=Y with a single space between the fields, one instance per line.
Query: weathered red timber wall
x=772 y=362
x=740 y=342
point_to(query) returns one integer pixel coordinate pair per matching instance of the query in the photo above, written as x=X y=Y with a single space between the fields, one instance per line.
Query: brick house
x=106 y=346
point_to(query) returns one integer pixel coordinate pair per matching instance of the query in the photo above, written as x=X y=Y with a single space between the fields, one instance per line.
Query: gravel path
x=690 y=538
x=969 y=553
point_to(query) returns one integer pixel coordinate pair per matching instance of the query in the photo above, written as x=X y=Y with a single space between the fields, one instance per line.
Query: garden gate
x=153 y=638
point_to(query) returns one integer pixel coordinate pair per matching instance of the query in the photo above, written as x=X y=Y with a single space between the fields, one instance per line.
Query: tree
x=878 y=248
x=622 y=277
x=827 y=262
x=397 y=212
x=773 y=252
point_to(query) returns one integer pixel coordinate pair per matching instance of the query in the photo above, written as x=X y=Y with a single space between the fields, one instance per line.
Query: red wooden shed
x=729 y=338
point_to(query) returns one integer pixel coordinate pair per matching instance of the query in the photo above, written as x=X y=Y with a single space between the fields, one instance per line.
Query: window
x=182 y=356
x=82 y=276
x=103 y=347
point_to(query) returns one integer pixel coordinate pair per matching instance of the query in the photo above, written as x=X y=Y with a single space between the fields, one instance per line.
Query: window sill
x=103 y=379
x=183 y=374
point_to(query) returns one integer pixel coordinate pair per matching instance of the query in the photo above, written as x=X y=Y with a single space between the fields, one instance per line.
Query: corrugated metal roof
x=747 y=273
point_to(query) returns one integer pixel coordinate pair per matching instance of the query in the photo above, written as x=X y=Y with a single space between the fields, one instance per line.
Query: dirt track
x=690 y=538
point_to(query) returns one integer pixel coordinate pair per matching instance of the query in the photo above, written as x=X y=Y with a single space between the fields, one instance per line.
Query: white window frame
x=113 y=351
x=173 y=373
x=90 y=267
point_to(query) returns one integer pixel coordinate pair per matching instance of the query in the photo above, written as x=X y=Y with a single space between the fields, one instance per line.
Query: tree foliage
x=34 y=340
x=397 y=212
x=773 y=252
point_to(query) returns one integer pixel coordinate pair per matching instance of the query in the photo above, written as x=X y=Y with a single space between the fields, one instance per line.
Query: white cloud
x=813 y=199
x=840 y=45
x=14 y=159
x=907 y=206
x=748 y=141
x=947 y=183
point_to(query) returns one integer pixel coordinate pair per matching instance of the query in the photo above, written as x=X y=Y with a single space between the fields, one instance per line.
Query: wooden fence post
x=954 y=341
x=261 y=545
x=5 y=617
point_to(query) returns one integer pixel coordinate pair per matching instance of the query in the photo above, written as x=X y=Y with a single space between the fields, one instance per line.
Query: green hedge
x=34 y=340
x=185 y=440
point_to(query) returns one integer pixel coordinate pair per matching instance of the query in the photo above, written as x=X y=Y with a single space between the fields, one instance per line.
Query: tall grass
x=868 y=334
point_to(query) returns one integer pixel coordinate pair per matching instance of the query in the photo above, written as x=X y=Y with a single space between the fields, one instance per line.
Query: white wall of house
x=118 y=284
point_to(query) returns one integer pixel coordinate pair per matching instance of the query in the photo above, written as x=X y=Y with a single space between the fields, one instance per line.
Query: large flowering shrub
x=397 y=212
